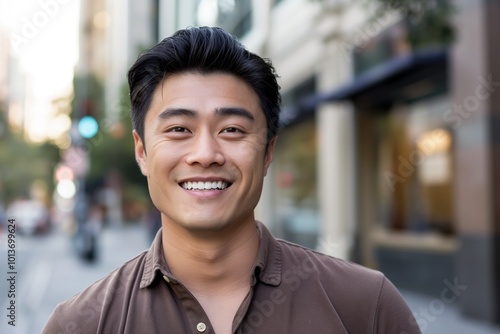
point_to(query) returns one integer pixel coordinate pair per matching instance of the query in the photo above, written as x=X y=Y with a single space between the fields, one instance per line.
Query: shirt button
x=201 y=327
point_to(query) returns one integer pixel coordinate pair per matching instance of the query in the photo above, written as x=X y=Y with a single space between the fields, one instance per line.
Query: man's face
x=205 y=152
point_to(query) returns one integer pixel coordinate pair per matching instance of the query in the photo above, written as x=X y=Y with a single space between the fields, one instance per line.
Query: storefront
x=403 y=161
x=404 y=169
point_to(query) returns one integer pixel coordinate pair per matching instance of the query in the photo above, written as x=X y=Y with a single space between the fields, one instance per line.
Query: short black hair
x=203 y=50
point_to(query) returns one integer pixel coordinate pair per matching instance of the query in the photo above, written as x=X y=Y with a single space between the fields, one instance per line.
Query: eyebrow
x=241 y=112
x=221 y=112
x=173 y=112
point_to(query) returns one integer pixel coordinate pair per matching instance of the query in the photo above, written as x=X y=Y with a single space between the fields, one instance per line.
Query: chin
x=202 y=224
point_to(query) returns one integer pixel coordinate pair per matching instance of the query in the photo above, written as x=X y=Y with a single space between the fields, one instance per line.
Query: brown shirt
x=294 y=290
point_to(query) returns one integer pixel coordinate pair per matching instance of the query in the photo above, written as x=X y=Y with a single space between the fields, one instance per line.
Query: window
x=369 y=52
x=415 y=169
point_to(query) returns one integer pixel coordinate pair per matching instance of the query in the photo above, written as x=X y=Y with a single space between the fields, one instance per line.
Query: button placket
x=194 y=311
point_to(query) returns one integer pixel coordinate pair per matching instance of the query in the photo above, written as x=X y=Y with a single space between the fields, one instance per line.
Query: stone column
x=336 y=184
x=475 y=78
x=336 y=155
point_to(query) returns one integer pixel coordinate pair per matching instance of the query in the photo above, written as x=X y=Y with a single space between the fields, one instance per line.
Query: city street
x=49 y=271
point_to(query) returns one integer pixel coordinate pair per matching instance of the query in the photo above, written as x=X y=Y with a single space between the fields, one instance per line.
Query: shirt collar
x=267 y=265
x=154 y=262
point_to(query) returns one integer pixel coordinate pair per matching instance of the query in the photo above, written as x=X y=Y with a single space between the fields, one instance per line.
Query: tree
x=23 y=163
x=429 y=22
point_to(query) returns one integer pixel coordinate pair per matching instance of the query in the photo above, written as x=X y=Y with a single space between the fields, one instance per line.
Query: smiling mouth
x=209 y=185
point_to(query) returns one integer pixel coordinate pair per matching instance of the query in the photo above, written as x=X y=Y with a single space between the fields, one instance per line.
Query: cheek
x=161 y=164
x=249 y=159
x=253 y=146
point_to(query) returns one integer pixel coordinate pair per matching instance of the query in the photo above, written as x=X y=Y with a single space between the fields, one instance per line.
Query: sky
x=44 y=41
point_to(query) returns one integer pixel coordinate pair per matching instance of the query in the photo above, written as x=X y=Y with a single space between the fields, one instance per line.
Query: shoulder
x=354 y=291
x=82 y=313
x=329 y=269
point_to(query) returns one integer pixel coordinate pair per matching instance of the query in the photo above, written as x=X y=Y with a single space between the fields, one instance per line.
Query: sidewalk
x=440 y=318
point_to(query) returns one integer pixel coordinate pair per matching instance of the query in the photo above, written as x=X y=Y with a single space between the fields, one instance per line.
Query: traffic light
x=88 y=127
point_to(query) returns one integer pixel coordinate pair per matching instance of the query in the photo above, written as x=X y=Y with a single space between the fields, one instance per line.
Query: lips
x=205 y=185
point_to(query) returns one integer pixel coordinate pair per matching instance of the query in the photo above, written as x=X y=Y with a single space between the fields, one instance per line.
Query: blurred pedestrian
x=87 y=234
x=206 y=114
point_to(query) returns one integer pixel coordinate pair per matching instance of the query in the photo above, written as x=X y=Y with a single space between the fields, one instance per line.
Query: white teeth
x=220 y=185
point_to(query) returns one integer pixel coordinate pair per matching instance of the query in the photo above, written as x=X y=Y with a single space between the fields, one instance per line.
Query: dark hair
x=204 y=50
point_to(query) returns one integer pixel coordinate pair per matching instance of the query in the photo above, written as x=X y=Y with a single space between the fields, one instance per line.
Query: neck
x=214 y=262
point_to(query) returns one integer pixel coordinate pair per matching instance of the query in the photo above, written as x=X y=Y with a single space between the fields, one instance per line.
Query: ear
x=140 y=153
x=269 y=154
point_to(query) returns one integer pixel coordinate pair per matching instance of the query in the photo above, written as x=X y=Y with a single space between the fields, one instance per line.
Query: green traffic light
x=88 y=127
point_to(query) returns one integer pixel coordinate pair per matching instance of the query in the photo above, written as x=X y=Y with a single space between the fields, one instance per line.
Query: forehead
x=204 y=93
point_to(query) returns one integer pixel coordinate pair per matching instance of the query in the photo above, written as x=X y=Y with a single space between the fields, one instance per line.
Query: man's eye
x=177 y=129
x=232 y=130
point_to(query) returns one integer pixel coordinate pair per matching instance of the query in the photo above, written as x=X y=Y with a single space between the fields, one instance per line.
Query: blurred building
x=113 y=33
x=124 y=29
x=389 y=152
x=26 y=36
x=4 y=70
x=14 y=85
x=5 y=62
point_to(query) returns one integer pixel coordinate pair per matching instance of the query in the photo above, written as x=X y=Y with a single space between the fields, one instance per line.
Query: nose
x=205 y=151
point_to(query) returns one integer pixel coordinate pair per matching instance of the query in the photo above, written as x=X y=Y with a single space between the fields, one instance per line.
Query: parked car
x=32 y=217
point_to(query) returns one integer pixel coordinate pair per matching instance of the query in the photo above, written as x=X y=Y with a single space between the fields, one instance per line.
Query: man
x=206 y=114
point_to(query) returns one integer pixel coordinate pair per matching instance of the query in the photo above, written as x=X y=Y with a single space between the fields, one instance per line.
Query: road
x=49 y=271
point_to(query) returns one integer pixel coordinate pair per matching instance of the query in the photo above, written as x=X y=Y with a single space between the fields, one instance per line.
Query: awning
x=387 y=82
